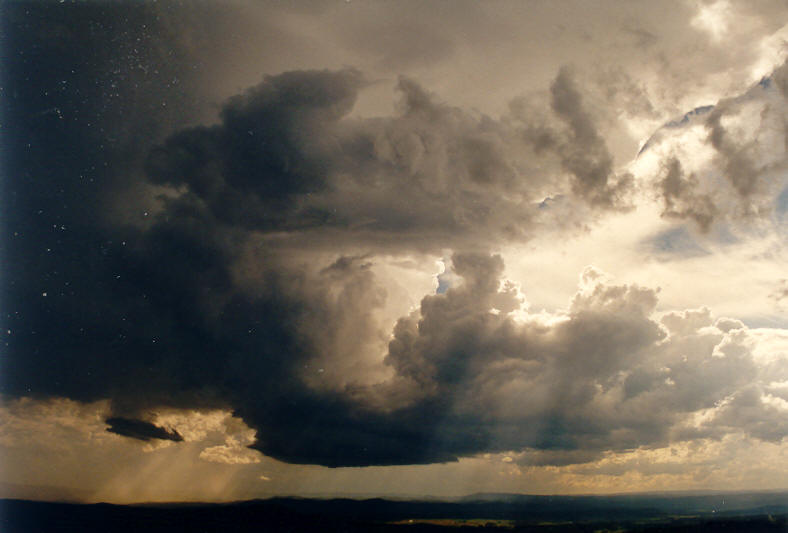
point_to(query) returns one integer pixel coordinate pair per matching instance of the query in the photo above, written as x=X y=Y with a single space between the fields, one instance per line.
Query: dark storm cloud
x=140 y=429
x=608 y=377
x=469 y=380
x=273 y=149
x=169 y=322
x=247 y=273
x=286 y=158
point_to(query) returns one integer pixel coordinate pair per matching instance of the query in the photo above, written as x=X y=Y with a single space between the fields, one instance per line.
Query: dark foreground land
x=753 y=512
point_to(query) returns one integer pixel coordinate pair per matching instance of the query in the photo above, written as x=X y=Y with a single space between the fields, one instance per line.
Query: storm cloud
x=240 y=264
x=286 y=158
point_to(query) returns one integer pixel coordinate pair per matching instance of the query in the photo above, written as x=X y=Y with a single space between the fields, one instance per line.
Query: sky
x=399 y=249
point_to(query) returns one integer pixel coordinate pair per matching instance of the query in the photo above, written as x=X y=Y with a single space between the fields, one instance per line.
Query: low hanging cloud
x=475 y=374
x=141 y=430
x=605 y=376
x=252 y=287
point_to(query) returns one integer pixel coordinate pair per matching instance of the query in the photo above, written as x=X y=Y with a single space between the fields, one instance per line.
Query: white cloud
x=233 y=452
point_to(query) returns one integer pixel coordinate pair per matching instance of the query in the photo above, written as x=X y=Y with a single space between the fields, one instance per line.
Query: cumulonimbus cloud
x=259 y=261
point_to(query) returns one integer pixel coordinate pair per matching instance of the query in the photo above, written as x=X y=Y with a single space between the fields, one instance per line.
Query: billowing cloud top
x=285 y=158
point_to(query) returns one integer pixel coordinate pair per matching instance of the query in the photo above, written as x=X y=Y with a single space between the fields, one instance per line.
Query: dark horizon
x=750 y=512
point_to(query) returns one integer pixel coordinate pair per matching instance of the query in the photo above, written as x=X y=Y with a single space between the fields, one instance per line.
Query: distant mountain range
x=751 y=511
